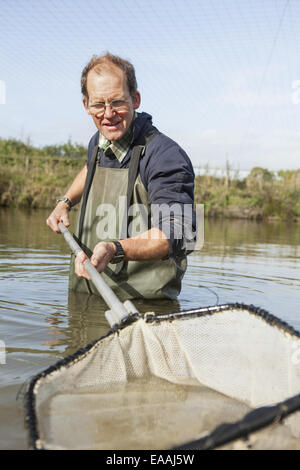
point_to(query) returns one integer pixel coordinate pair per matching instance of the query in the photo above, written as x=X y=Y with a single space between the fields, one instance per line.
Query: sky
x=221 y=77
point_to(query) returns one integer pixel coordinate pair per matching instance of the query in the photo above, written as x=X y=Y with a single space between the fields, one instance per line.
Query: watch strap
x=119 y=255
x=66 y=200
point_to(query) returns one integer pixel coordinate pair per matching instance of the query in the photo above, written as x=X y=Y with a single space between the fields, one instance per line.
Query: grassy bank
x=261 y=195
x=34 y=177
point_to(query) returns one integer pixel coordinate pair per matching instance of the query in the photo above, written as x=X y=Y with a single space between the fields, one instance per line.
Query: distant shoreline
x=34 y=178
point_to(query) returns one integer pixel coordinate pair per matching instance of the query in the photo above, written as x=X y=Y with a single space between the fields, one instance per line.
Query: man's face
x=110 y=86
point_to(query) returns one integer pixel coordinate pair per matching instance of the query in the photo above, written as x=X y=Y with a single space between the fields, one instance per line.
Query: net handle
x=109 y=297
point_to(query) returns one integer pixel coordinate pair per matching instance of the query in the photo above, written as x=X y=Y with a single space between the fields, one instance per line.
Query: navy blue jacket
x=165 y=169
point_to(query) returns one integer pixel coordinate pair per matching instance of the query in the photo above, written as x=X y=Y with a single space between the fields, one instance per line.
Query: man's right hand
x=74 y=193
x=60 y=214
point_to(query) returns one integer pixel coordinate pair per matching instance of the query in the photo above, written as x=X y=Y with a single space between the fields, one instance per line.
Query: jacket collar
x=142 y=121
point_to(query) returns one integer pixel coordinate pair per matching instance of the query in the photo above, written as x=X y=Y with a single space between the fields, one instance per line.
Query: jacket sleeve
x=169 y=179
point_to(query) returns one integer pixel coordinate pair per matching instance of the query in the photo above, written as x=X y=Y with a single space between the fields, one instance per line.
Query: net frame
x=223 y=434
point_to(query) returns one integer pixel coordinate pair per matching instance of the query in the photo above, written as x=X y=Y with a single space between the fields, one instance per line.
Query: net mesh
x=163 y=381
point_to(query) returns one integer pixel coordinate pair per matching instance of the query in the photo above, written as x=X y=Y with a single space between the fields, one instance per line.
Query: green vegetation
x=261 y=195
x=34 y=177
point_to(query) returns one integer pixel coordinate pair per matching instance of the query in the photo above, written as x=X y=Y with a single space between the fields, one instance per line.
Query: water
x=242 y=261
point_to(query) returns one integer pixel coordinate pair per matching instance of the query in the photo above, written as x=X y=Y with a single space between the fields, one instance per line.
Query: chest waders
x=112 y=191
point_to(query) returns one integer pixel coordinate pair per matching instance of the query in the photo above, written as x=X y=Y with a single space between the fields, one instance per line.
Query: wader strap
x=133 y=170
x=87 y=186
x=134 y=164
x=137 y=151
x=84 y=248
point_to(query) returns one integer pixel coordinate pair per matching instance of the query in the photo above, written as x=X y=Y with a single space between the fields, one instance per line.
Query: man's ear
x=85 y=104
x=136 y=99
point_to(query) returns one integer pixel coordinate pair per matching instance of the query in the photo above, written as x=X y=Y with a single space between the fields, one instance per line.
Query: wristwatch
x=119 y=255
x=66 y=200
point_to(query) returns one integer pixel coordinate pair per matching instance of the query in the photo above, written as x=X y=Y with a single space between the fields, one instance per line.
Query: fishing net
x=221 y=377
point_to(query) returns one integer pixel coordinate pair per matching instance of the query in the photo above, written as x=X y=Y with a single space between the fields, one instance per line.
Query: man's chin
x=113 y=134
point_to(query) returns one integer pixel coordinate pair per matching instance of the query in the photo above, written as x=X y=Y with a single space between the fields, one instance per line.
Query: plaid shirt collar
x=118 y=147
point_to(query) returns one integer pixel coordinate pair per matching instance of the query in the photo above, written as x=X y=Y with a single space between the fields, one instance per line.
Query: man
x=128 y=160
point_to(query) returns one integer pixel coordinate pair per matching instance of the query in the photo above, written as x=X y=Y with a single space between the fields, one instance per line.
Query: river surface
x=40 y=321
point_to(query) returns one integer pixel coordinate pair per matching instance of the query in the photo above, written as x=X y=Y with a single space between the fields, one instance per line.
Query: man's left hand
x=102 y=255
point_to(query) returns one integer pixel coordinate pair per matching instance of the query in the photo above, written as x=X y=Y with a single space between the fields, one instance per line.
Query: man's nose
x=109 y=112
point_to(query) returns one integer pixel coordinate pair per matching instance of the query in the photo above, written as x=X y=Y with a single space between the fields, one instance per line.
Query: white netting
x=157 y=385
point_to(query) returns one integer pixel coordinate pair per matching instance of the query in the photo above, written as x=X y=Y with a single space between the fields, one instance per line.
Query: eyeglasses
x=115 y=105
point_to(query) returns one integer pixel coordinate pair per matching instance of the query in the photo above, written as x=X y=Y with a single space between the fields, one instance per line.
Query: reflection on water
x=242 y=261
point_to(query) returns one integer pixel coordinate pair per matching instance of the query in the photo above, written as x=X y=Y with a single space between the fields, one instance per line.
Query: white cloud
x=258 y=86
x=273 y=150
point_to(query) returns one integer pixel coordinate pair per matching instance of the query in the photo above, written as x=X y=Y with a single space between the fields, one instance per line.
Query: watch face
x=65 y=200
